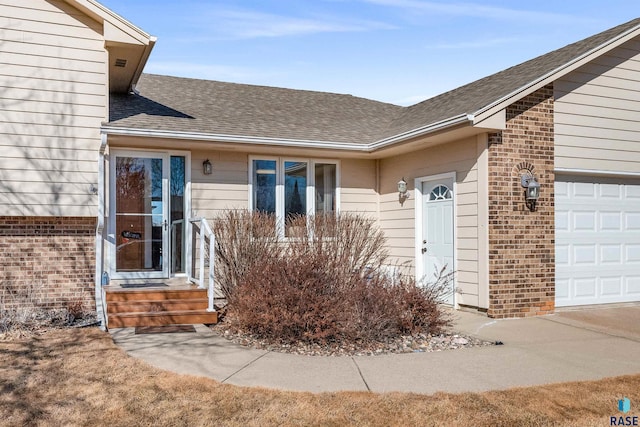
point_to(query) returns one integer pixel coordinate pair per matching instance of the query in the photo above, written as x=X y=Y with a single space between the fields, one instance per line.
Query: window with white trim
x=287 y=187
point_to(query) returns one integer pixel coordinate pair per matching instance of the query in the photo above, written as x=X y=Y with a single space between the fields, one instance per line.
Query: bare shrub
x=244 y=241
x=21 y=310
x=327 y=282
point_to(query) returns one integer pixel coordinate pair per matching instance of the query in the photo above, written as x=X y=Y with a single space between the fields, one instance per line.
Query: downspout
x=378 y=192
x=100 y=309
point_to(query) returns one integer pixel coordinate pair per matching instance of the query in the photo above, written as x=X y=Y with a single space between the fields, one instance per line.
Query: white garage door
x=597 y=241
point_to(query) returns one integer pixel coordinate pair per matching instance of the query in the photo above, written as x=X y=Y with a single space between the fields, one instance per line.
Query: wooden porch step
x=142 y=306
x=185 y=317
x=155 y=294
x=157 y=306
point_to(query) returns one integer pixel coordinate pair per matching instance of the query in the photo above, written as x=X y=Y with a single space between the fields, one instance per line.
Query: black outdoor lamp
x=206 y=167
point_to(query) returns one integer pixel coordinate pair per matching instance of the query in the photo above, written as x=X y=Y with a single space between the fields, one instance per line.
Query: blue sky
x=397 y=51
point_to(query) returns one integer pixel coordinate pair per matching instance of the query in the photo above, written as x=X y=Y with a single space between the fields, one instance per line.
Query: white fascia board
x=113 y=18
x=421 y=131
x=143 y=61
x=239 y=139
x=298 y=143
x=577 y=62
x=497 y=121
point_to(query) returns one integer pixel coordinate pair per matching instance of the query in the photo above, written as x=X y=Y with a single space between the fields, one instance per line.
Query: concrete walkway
x=568 y=346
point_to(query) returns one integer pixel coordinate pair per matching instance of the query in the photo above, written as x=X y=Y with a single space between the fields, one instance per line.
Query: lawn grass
x=79 y=377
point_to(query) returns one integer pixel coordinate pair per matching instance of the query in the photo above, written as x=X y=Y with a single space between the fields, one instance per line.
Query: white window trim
x=280 y=174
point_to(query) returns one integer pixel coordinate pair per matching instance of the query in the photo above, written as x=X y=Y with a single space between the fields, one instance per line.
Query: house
x=103 y=168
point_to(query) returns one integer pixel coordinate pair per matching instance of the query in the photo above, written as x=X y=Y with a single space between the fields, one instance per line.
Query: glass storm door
x=140 y=187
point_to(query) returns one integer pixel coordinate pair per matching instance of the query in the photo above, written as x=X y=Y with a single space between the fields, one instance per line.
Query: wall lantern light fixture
x=402 y=188
x=207 y=167
x=532 y=189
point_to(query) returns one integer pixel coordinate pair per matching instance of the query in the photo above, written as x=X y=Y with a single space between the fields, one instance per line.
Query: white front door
x=437 y=231
x=139 y=214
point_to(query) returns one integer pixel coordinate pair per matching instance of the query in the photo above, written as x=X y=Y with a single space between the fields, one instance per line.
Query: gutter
x=298 y=143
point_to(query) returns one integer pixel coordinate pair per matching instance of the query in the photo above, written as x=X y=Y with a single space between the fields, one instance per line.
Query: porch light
x=532 y=189
x=206 y=167
x=402 y=187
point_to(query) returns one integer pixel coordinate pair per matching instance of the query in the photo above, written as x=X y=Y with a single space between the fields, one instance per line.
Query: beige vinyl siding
x=398 y=220
x=53 y=99
x=225 y=188
x=596 y=113
x=358 y=187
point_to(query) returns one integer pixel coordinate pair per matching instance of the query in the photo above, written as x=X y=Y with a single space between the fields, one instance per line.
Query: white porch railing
x=203 y=241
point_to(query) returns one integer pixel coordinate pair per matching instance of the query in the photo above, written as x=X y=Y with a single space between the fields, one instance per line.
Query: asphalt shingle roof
x=190 y=105
x=212 y=107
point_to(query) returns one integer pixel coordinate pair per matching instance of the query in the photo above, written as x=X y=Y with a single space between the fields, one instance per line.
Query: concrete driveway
x=568 y=346
x=622 y=320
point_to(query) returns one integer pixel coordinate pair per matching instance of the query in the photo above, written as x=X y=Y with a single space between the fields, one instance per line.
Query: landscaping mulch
x=403 y=344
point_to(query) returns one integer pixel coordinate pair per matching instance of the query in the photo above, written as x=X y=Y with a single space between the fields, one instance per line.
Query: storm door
x=140 y=208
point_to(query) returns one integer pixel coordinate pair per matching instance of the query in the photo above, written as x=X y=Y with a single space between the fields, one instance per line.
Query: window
x=290 y=187
x=440 y=192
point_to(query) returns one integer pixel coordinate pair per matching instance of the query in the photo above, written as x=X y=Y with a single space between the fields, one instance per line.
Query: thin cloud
x=245 y=24
x=478 y=10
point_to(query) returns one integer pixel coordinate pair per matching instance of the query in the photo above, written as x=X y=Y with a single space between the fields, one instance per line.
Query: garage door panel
x=584 y=255
x=611 y=286
x=562 y=255
x=610 y=221
x=585 y=288
x=610 y=191
x=610 y=254
x=633 y=285
x=584 y=221
x=562 y=220
x=632 y=254
x=632 y=221
x=632 y=192
x=562 y=289
x=583 y=190
x=597 y=241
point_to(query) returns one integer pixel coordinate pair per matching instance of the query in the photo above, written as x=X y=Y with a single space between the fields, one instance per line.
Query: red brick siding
x=521 y=241
x=49 y=261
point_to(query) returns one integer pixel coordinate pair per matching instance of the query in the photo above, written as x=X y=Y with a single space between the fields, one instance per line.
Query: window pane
x=139 y=242
x=138 y=184
x=295 y=188
x=264 y=185
x=177 y=223
x=325 y=188
x=295 y=197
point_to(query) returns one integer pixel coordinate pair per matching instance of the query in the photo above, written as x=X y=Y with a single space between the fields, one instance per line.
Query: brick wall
x=47 y=261
x=521 y=241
